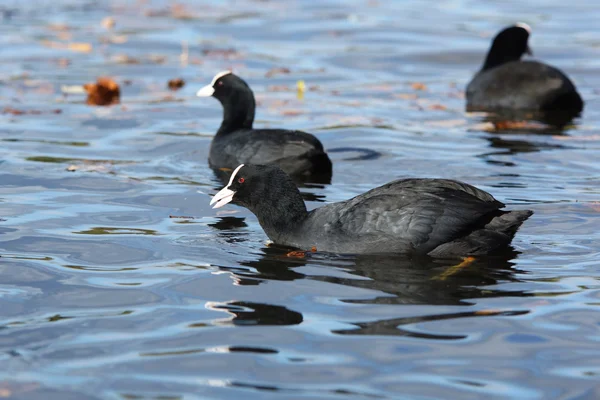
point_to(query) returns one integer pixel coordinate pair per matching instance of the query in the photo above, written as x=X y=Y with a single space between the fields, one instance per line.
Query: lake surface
x=104 y=296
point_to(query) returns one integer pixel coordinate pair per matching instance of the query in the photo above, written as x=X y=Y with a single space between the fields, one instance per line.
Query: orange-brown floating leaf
x=313 y=249
x=418 y=86
x=74 y=46
x=437 y=107
x=175 y=84
x=81 y=47
x=296 y=254
x=225 y=169
x=108 y=23
x=277 y=71
x=292 y=113
x=103 y=93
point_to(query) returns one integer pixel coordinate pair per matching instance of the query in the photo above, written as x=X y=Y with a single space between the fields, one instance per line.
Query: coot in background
x=436 y=217
x=299 y=154
x=505 y=83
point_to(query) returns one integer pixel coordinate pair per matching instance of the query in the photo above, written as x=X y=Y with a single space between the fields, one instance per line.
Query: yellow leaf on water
x=74 y=46
x=301 y=88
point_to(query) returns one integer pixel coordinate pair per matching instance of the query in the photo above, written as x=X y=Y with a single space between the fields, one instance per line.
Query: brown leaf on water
x=418 y=86
x=104 y=92
x=292 y=113
x=74 y=46
x=181 y=216
x=277 y=71
x=175 y=84
x=296 y=254
x=15 y=111
x=437 y=107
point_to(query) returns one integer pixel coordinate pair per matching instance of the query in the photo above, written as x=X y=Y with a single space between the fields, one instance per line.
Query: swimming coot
x=438 y=217
x=299 y=154
x=507 y=83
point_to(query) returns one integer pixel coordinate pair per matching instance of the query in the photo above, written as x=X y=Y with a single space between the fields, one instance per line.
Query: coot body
x=299 y=154
x=435 y=217
x=506 y=83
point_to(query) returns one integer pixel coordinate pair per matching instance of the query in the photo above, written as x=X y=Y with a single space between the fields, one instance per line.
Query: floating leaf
x=418 y=86
x=74 y=46
x=175 y=84
x=277 y=71
x=104 y=92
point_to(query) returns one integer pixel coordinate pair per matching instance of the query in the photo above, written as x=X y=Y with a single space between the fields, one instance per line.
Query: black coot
x=300 y=154
x=437 y=217
x=505 y=83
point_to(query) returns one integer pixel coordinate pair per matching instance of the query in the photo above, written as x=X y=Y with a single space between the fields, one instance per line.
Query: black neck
x=281 y=210
x=495 y=59
x=238 y=112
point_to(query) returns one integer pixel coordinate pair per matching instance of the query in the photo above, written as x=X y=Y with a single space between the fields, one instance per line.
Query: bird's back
x=522 y=85
x=410 y=215
x=297 y=153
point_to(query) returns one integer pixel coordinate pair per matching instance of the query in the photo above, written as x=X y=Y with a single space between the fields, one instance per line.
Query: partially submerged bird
x=506 y=83
x=436 y=217
x=299 y=154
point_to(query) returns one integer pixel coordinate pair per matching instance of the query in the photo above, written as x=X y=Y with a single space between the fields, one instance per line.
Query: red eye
x=241 y=180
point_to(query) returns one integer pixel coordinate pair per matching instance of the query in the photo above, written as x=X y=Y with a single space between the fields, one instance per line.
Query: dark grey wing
x=517 y=85
x=423 y=212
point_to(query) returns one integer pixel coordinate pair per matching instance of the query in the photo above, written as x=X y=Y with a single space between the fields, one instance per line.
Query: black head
x=236 y=97
x=508 y=45
x=268 y=192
